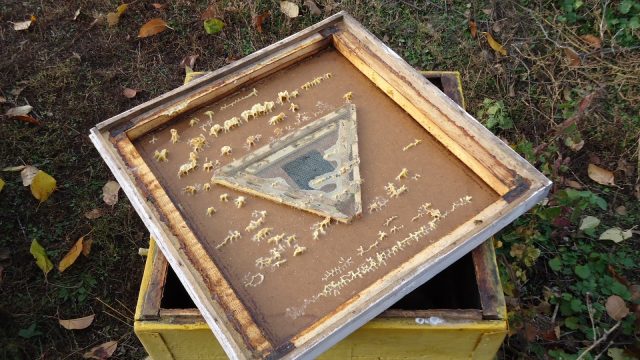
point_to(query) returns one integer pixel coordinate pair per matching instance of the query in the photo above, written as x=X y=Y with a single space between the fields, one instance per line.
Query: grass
x=73 y=72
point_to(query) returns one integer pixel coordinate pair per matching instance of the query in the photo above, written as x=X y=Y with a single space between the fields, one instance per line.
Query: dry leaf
x=190 y=75
x=102 y=352
x=258 y=20
x=572 y=56
x=616 y=234
x=42 y=186
x=94 y=214
x=110 y=192
x=573 y=184
x=40 y=254
x=27 y=174
x=77 y=324
x=210 y=12
x=114 y=18
x=158 y=6
x=24 y=25
x=616 y=308
x=495 y=45
x=27 y=118
x=621 y=210
x=313 y=8
x=71 y=256
x=3 y=99
x=600 y=175
x=76 y=14
x=19 y=110
x=189 y=61
x=589 y=222
x=473 y=28
x=14 y=168
x=152 y=27
x=1 y=184
x=86 y=247
x=129 y=93
x=290 y=9
x=592 y=40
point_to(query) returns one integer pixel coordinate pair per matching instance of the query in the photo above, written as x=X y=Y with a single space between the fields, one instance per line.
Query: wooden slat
x=488 y=280
x=155 y=290
x=192 y=252
x=226 y=85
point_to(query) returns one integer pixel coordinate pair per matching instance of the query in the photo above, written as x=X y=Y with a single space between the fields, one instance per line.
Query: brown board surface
x=284 y=299
x=423 y=185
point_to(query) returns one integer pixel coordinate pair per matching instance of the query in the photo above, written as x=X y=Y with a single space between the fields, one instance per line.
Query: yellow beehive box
x=472 y=326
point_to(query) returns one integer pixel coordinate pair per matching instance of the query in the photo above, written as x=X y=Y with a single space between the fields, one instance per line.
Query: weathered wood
x=182 y=256
x=493 y=305
x=519 y=184
x=155 y=289
x=446 y=316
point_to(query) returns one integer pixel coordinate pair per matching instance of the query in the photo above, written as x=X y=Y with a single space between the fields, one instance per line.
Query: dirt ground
x=562 y=99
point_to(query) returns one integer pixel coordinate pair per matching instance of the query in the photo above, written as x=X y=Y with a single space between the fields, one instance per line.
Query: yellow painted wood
x=381 y=338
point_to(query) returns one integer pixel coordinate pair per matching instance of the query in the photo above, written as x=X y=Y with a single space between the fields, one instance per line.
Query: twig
x=603 y=338
x=590 y=311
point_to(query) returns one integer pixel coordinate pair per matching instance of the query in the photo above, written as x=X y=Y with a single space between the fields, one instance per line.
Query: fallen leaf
x=572 y=56
x=616 y=308
x=158 y=6
x=600 y=175
x=1 y=184
x=94 y=213
x=78 y=323
x=210 y=12
x=313 y=7
x=573 y=143
x=14 y=168
x=213 y=26
x=3 y=99
x=110 y=192
x=258 y=20
x=129 y=93
x=86 y=247
x=190 y=75
x=19 y=110
x=152 y=27
x=40 y=254
x=42 y=186
x=27 y=118
x=290 y=9
x=495 y=45
x=76 y=14
x=573 y=184
x=113 y=18
x=27 y=174
x=589 y=222
x=616 y=234
x=592 y=40
x=102 y=351
x=621 y=210
x=24 y=25
x=189 y=61
x=71 y=256
x=473 y=28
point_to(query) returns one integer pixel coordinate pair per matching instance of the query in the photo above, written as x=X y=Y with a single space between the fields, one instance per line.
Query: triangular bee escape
x=315 y=168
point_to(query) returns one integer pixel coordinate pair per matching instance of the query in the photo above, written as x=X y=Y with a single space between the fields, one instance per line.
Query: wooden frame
x=518 y=184
x=181 y=332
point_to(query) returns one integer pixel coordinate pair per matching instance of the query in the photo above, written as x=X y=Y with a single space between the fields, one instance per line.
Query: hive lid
x=415 y=183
